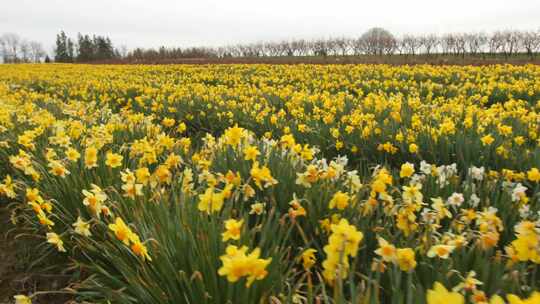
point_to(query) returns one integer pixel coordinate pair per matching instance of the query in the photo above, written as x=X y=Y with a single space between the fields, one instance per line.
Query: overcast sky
x=151 y=23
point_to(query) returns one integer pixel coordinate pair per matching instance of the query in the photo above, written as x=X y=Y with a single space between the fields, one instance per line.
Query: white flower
x=456 y=199
x=524 y=211
x=445 y=173
x=417 y=179
x=425 y=167
x=451 y=169
x=342 y=160
x=428 y=216
x=442 y=181
x=518 y=192
x=322 y=164
x=475 y=200
x=491 y=211
x=354 y=180
x=477 y=173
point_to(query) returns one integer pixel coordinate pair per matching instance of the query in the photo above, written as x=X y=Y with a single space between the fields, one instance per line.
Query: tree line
x=84 y=49
x=14 y=49
x=376 y=41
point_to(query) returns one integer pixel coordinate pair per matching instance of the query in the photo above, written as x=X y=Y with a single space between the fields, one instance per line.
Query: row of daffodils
x=278 y=184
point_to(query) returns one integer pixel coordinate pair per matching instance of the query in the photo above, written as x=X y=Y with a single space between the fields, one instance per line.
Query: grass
x=25 y=270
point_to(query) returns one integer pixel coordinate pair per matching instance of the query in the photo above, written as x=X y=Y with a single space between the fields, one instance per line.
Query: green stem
x=409 y=288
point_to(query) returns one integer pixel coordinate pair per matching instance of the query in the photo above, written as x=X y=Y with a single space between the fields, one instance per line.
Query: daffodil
x=90 y=157
x=533 y=299
x=210 y=201
x=58 y=169
x=257 y=208
x=440 y=295
x=406 y=259
x=308 y=258
x=234 y=135
x=122 y=232
x=469 y=283
x=386 y=250
x=233 y=228
x=94 y=199
x=113 y=160
x=72 y=154
x=237 y=264
x=262 y=176
x=251 y=153
x=342 y=243
x=53 y=238
x=487 y=140
x=442 y=251
x=340 y=201
x=139 y=248
x=534 y=175
x=407 y=170
x=132 y=190
x=22 y=299
x=82 y=227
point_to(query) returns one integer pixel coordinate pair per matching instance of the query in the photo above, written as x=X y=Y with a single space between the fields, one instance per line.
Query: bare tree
x=475 y=42
x=300 y=47
x=460 y=46
x=286 y=48
x=36 y=51
x=357 y=46
x=257 y=49
x=343 y=45
x=3 y=50
x=530 y=41
x=24 y=50
x=331 y=46
x=319 y=47
x=509 y=42
x=272 y=49
x=12 y=44
x=123 y=51
x=390 y=46
x=495 y=42
x=430 y=43
x=376 y=41
x=411 y=44
x=221 y=52
x=448 y=42
x=401 y=46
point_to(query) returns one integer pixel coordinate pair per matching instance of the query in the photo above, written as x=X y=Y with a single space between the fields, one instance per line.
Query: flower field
x=278 y=184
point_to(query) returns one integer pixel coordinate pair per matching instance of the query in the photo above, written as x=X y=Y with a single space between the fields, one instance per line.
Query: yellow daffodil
x=53 y=238
x=440 y=295
x=233 y=228
x=308 y=258
x=82 y=227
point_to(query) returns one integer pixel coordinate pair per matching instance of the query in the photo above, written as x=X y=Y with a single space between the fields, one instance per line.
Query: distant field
x=270 y=183
x=487 y=59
